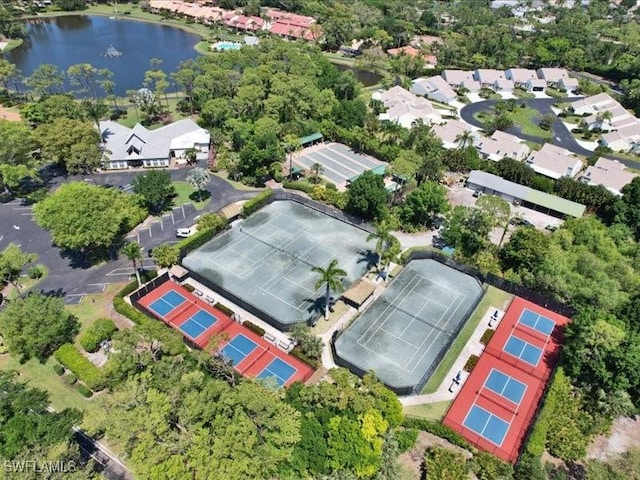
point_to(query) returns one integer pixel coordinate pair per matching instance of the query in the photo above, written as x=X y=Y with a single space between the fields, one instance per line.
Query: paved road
x=110 y=465
x=562 y=137
x=68 y=276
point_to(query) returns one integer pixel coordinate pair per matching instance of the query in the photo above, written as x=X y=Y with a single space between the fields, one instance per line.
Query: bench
x=209 y=299
x=269 y=337
x=198 y=292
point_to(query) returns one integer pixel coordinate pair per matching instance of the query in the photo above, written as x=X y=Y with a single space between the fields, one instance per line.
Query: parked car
x=520 y=222
x=551 y=228
x=186 y=232
x=477 y=194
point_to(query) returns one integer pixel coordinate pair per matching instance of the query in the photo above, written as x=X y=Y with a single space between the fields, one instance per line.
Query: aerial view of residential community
x=320 y=239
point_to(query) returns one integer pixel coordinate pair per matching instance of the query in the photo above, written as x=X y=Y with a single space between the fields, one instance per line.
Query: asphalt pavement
x=562 y=137
x=72 y=279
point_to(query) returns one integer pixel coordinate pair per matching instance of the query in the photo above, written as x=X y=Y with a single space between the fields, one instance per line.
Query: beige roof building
x=552 y=75
x=405 y=108
x=501 y=145
x=609 y=173
x=554 y=162
x=519 y=76
x=448 y=132
x=435 y=88
x=461 y=78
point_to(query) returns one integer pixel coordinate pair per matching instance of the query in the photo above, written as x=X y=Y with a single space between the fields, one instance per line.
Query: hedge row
x=312 y=362
x=301 y=186
x=101 y=330
x=254 y=328
x=471 y=363
x=438 y=430
x=224 y=309
x=257 y=202
x=59 y=369
x=406 y=255
x=84 y=391
x=70 y=357
x=486 y=336
x=195 y=241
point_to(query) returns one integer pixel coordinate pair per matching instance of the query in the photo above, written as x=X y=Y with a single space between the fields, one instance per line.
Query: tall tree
x=133 y=252
x=368 y=197
x=34 y=327
x=71 y=143
x=497 y=209
x=423 y=204
x=155 y=188
x=47 y=79
x=12 y=262
x=331 y=278
x=166 y=255
x=198 y=178
x=383 y=238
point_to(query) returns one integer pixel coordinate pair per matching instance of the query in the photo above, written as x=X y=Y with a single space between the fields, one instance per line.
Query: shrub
x=256 y=203
x=224 y=309
x=297 y=353
x=101 y=330
x=195 y=241
x=406 y=439
x=486 y=336
x=301 y=186
x=70 y=379
x=70 y=357
x=254 y=328
x=189 y=288
x=35 y=272
x=471 y=362
x=406 y=255
x=59 y=369
x=438 y=430
x=331 y=186
x=84 y=391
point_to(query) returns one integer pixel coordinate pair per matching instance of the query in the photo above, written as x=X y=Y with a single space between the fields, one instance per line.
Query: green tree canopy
x=368 y=197
x=443 y=464
x=86 y=217
x=12 y=262
x=34 y=327
x=71 y=143
x=423 y=204
x=155 y=189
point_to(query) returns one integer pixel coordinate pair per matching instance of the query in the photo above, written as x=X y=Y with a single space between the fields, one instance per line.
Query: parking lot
x=458 y=194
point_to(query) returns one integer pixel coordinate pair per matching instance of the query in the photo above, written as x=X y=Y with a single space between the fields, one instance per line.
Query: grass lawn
x=237 y=185
x=429 y=411
x=523 y=117
x=323 y=325
x=572 y=119
x=187 y=194
x=493 y=298
x=95 y=306
x=533 y=145
x=42 y=376
x=26 y=283
x=521 y=93
x=133 y=116
x=554 y=92
x=11 y=44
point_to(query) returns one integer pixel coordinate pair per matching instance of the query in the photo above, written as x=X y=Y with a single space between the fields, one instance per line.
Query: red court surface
x=180 y=309
x=497 y=403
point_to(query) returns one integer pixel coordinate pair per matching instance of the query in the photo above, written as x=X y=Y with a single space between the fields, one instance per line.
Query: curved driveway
x=562 y=137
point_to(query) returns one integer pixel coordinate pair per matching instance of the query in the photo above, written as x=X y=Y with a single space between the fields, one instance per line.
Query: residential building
x=488 y=77
x=501 y=145
x=292 y=26
x=609 y=173
x=503 y=85
x=552 y=75
x=626 y=139
x=554 y=162
x=429 y=59
x=405 y=108
x=568 y=84
x=435 y=88
x=527 y=197
x=519 y=76
x=461 y=79
x=450 y=131
x=535 y=85
x=139 y=147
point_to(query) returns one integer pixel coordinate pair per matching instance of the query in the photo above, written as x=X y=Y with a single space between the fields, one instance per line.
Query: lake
x=366 y=78
x=67 y=40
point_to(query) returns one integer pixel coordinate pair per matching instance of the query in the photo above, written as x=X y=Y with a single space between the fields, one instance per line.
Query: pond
x=72 y=39
x=366 y=78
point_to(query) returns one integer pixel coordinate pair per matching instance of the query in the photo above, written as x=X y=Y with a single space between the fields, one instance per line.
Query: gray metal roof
x=499 y=184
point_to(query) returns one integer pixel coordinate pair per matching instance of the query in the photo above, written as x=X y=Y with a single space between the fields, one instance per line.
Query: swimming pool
x=226 y=46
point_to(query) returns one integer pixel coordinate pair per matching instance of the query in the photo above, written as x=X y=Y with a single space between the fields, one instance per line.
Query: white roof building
x=461 y=78
x=487 y=77
x=139 y=147
x=435 y=88
x=552 y=75
x=501 y=145
x=450 y=131
x=405 y=108
x=519 y=76
x=568 y=84
x=609 y=173
x=554 y=162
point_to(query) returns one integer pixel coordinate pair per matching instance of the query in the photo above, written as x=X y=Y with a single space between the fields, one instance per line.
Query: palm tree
x=383 y=239
x=602 y=117
x=132 y=251
x=317 y=169
x=463 y=139
x=331 y=278
x=198 y=178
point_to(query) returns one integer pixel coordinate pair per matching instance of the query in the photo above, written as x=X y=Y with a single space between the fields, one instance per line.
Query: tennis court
x=167 y=303
x=278 y=370
x=198 y=323
x=339 y=162
x=265 y=261
x=404 y=332
x=486 y=424
x=537 y=322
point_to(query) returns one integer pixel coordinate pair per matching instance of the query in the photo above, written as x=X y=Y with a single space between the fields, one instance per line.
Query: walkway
x=445 y=391
x=562 y=136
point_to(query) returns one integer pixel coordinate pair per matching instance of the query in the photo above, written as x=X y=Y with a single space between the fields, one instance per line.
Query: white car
x=186 y=232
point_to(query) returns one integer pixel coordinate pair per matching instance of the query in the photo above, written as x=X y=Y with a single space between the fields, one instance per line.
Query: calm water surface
x=67 y=40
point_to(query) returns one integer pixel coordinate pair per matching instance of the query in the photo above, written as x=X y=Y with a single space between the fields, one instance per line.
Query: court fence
x=495 y=281
x=147 y=288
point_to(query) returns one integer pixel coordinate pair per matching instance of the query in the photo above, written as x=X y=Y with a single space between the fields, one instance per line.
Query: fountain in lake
x=111 y=52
